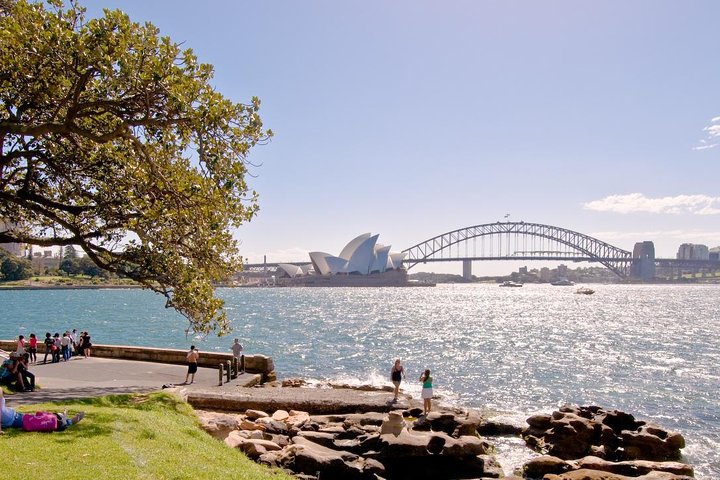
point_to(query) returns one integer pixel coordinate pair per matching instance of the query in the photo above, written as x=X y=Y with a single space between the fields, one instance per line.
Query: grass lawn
x=153 y=436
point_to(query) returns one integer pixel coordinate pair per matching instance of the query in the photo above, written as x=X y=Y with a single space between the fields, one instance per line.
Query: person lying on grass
x=41 y=421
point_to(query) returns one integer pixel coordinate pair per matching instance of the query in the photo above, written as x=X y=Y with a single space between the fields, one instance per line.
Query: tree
x=14 y=268
x=113 y=140
x=70 y=252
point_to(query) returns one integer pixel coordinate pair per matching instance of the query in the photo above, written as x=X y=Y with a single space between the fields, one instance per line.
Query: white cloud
x=713 y=135
x=639 y=203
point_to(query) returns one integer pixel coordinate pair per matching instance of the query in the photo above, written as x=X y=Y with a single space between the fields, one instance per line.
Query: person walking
x=192 y=359
x=397 y=372
x=20 y=348
x=427 y=390
x=237 y=349
x=57 y=348
x=65 y=344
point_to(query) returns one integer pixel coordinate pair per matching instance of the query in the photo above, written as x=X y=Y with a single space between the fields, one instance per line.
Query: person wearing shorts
x=427 y=390
x=192 y=358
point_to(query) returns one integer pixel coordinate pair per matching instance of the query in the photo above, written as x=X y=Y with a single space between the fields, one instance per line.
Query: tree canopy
x=113 y=139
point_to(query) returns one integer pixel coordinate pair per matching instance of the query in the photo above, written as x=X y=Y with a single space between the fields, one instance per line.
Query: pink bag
x=40 y=422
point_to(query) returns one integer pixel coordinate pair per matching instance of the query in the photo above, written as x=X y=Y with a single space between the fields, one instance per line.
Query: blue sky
x=413 y=118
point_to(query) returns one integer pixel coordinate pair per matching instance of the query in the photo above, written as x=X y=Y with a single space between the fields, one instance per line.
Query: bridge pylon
x=467 y=270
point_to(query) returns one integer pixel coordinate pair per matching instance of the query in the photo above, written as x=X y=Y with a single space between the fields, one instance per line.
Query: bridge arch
x=520 y=241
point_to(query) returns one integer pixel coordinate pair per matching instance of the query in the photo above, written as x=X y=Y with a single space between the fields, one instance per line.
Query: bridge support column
x=467 y=269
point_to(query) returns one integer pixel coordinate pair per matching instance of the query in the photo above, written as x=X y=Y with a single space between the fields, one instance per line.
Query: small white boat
x=585 y=291
x=510 y=283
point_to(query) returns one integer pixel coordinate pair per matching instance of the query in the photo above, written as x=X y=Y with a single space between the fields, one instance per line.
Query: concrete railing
x=260 y=364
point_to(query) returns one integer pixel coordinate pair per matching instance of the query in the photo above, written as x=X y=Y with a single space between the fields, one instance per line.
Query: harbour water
x=649 y=350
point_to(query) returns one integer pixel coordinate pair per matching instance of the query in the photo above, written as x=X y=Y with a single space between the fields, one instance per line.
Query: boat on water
x=510 y=283
x=585 y=291
x=563 y=282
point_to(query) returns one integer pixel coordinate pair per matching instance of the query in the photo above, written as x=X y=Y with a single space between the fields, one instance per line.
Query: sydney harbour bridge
x=526 y=241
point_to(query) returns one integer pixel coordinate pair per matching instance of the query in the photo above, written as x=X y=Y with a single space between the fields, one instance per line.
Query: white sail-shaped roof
x=395 y=260
x=292 y=271
x=319 y=264
x=363 y=256
x=336 y=264
x=381 y=258
x=350 y=248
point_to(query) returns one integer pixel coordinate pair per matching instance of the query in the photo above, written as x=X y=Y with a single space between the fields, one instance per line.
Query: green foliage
x=70 y=252
x=129 y=437
x=113 y=140
x=14 y=268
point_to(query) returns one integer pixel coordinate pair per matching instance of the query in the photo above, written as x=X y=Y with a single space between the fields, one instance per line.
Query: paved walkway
x=95 y=376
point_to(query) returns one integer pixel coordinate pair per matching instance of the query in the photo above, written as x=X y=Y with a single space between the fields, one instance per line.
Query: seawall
x=259 y=364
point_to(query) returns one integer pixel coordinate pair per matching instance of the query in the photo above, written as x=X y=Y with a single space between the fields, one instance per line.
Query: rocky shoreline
x=351 y=433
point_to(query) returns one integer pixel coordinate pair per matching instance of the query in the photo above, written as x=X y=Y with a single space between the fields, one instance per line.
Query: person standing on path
x=49 y=342
x=427 y=390
x=237 y=349
x=192 y=358
x=86 y=344
x=32 y=348
x=397 y=372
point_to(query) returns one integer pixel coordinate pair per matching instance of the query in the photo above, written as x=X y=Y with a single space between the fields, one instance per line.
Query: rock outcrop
x=594 y=444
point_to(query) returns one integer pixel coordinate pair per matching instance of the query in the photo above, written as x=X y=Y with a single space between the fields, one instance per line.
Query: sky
x=410 y=119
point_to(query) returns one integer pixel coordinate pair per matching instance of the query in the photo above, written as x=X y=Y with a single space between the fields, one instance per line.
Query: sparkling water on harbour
x=653 y=351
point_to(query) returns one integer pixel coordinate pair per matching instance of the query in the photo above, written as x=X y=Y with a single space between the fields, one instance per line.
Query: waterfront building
x=361 y=256
x=692 y=251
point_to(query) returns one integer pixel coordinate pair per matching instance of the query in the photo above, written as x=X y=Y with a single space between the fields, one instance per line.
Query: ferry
x=563 y=282
x=510 y=283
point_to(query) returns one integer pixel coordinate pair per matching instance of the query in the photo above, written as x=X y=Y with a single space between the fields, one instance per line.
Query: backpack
x=40 y=422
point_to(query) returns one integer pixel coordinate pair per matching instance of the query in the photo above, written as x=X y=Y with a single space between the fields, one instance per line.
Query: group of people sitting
x=15 y=374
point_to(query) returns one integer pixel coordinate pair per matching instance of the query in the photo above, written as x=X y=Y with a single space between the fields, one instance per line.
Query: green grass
x=153 y=436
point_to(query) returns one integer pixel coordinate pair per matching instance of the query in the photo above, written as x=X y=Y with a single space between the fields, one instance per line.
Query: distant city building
x=643 y=265
x=714 y=254
x=545 y=274
x=562 y=271
x=692 y=251
x=361 y=256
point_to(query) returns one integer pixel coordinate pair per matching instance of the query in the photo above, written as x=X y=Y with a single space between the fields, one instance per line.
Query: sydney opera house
x=363 y=261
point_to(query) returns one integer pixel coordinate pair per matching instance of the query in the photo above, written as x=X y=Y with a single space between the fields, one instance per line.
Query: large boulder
x=313 y=459
x=393 y=424
x=219 y=425
x=538 y=467
x=635 y=467
x=585 y=474
x=575 y=432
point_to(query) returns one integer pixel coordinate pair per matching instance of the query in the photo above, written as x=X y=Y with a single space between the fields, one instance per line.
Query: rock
x=492 y=468
x=248 y=425
x=494 y=428
x=313 y=459
x=393 y=424
x=652 y=443
x=294 y=383
x=321 y=438
x=635 y=467
x=235 y=439
x=280 y=415
x=297 y=418
x=272 y=426
x=576 y=432
x=538 y=467
x=219 y=425
x=540 y=421
x=585 y=474
x=255 y=414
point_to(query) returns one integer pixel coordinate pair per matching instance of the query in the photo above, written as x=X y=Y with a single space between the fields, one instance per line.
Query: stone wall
x=261 y=364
